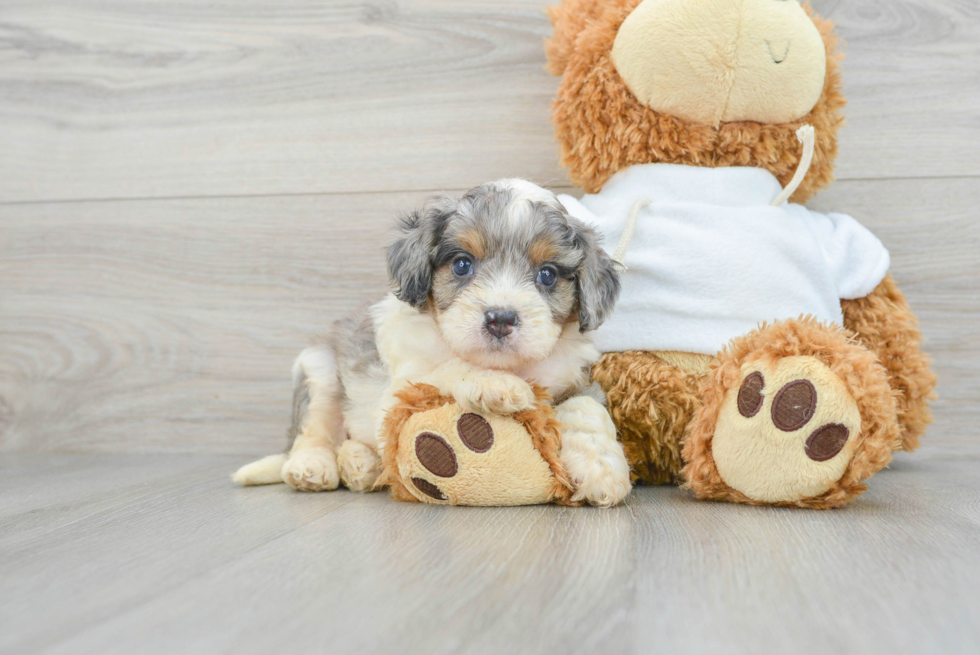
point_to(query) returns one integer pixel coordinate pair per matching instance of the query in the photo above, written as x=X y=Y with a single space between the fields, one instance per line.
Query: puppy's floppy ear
x=597 y=278
x=410 y=266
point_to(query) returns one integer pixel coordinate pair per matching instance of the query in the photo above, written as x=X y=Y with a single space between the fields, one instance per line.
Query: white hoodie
x=711 y=259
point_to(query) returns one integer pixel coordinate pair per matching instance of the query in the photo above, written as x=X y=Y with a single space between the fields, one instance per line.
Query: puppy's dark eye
x=463 y=266
x=547 y=276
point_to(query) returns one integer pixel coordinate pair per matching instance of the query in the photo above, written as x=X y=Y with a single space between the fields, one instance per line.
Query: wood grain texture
x=163 y=324
x=142 y=98
x=161 y=554
x=169 y=326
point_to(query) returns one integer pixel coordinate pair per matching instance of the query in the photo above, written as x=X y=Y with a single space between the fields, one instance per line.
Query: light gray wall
x=189 y=190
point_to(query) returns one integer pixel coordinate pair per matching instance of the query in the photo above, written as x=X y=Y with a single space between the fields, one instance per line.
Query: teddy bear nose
x=500 y=322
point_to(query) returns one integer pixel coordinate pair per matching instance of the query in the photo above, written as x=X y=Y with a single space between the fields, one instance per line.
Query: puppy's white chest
x=408 y=342
x=568 y=366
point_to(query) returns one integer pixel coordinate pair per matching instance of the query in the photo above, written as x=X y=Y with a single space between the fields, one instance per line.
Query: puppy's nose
x=500 y=322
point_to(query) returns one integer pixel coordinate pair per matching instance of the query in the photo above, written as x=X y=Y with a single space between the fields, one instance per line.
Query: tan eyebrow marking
x=472 y=241
x=543 y=249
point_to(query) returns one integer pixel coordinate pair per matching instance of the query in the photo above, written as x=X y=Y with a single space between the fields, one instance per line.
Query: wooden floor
x=162 y=554
x=189 y=190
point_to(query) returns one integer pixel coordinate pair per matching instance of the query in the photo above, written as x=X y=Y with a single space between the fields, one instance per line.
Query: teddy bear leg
x=651 y=402
x=885 y=324
x=591 y=454
x=794 y=414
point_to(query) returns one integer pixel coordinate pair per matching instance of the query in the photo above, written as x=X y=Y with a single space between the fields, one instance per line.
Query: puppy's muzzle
x=500 y=322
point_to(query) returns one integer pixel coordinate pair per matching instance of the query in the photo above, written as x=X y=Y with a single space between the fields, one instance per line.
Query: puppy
x=491 y=290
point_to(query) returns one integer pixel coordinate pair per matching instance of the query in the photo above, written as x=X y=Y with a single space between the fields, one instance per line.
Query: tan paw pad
x=451 y=456
x=784 y=434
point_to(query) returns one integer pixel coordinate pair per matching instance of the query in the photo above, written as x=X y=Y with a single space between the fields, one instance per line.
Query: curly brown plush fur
x=885 y=324
x=651 y=403
x=570 y=19
x=858 y=368
x=545 y=431
x=602 y=128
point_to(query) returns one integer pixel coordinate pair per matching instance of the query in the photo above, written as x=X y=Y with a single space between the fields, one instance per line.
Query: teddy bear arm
x=885 y=324
x=438 y=452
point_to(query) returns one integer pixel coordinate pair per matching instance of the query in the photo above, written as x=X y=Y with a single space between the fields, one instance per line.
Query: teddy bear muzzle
x=679 y=57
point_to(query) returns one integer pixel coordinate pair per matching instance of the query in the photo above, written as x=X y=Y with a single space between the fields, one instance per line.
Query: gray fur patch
x=354 y=345
x=410 y=257
x=301 y=404
x=356 y=353
x=598 y=279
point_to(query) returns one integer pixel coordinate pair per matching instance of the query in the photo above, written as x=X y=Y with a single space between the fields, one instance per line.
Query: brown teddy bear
x=760 y=353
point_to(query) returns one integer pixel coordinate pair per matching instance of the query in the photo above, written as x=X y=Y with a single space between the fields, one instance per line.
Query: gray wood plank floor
x=162 y=554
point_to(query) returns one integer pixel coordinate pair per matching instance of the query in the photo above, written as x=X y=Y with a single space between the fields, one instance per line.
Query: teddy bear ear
x=570 y=18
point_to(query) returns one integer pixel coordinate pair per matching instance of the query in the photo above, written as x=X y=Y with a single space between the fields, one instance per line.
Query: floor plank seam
x=563 y=186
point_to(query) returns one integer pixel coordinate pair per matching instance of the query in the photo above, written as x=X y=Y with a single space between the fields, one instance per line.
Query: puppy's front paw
x=599 y=481
x=311 y=470
x=494 y=392
x=591 y=454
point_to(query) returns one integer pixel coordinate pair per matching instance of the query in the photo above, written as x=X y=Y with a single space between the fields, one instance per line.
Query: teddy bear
x=761 y=352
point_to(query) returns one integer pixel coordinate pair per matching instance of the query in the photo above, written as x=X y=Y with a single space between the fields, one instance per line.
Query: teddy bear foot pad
x=784 y=433
x=440 y=453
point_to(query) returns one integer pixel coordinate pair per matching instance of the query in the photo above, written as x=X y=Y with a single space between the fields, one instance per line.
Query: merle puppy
x=491 y=291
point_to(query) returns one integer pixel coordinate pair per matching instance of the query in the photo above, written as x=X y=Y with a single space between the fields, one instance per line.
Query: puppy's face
x=503 y=270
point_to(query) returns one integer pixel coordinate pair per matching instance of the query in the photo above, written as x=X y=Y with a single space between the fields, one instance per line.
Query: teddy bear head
x=698 y=82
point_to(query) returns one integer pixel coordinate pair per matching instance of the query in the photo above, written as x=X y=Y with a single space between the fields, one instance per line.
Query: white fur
x=311 y=469
x=359 y=465
x=267 y=470
x=411 y=346
x=409 y=343
x=461 y=326
x=591 y=454
x=318 y=366
x=524 y=194
x=412 y=349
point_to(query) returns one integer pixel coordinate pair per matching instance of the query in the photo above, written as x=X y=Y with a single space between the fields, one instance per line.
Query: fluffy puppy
x=491 y=291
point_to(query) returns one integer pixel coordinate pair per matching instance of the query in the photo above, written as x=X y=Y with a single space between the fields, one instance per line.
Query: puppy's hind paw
x=314 y=469
x=359 y=465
